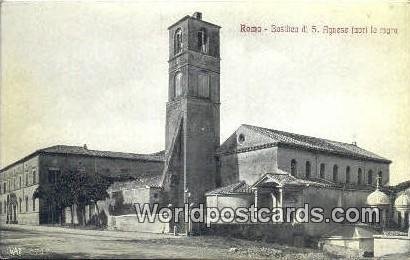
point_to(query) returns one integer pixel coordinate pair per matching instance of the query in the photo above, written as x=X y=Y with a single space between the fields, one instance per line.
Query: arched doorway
x=11 y=208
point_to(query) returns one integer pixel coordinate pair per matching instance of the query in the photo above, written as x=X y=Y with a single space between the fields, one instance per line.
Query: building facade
x=21 y=179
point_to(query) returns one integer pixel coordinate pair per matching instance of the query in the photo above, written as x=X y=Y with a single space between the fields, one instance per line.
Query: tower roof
x=196 y=16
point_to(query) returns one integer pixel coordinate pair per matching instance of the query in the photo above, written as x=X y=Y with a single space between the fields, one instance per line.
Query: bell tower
x=192 y=117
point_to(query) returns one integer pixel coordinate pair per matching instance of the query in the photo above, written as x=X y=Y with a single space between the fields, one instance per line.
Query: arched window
x=203 y=41
x=293 y=167
x=335 y=173
x=26 y=204
x=20 y=201
x=178 y=84
x=178 y=41
x=359 y=176
x=203 y=84
x=322 y=171
x=370 y=177
x=348 y=174
x=34 y=204
x=308 y=170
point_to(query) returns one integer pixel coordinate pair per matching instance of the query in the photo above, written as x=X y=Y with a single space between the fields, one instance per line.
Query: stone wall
x=124 y=200
x=328 y=198
x=130 y=223
x=222 y=201
x=247 y=166
x=96 y=214
x=119 y=203
x=387 y=245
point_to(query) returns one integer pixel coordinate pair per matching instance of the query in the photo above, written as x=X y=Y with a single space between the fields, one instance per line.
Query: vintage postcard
x=205 y=129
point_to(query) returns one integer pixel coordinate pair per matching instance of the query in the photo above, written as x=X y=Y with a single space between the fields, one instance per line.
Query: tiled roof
x=281 y=177
x=79 y=150
x=316 y=144
x=400 y=187
x=236 y=188
x=285 y=179
x=150 y=180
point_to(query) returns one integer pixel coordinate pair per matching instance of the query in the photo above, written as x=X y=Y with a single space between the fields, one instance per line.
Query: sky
x=95 y=73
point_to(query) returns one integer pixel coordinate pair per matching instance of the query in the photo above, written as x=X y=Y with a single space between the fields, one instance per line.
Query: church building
x=254 y=166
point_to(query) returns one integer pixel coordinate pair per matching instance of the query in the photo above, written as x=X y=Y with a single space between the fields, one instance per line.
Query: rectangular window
x=53 y=175
x=26 y=204
x=34 y=177
x=34 y=204
x=202 y=46
x=27 y=184
x=20 y=182
x=203 y=85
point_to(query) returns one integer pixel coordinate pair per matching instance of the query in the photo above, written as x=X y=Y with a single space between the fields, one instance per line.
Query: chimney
x=197 y=15
x=354 y=143
x=85 y=146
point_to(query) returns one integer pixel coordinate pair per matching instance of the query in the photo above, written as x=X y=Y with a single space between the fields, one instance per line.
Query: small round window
x=241 y=138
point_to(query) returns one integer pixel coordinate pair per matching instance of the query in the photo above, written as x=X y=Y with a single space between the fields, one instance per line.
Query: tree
x=91 y=188
x=73 y=188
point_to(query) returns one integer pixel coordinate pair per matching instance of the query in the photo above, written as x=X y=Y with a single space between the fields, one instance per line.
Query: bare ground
x=56 y=242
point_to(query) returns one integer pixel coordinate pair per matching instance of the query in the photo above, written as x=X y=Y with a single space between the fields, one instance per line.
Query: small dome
x=403 y=199
x=377 y=198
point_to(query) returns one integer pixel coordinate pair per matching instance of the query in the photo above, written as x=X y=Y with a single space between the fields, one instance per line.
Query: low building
x=20 y=179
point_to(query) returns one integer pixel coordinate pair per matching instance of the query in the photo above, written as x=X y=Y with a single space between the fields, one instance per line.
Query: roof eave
x=31 y=155
x=104 y=156
x=193 y=18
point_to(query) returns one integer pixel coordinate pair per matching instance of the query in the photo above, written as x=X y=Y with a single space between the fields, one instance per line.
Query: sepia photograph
x=204 y=129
